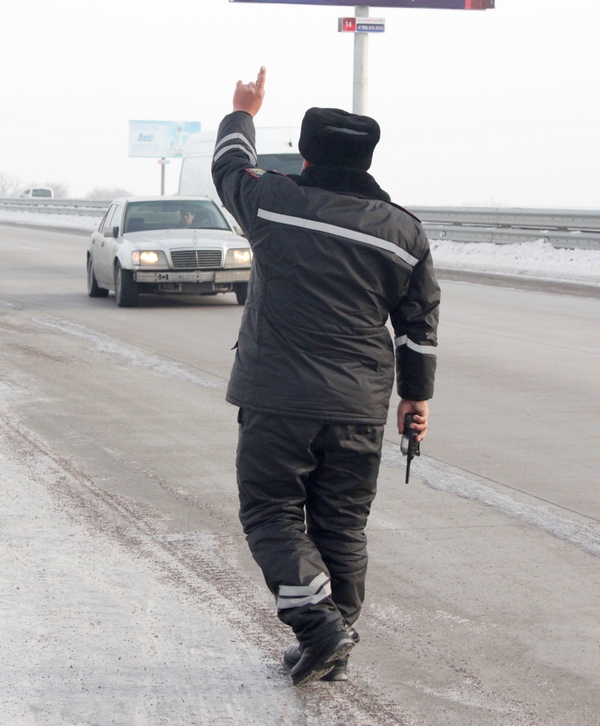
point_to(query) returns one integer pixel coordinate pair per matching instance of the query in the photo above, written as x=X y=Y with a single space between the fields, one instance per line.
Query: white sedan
x=171 y=245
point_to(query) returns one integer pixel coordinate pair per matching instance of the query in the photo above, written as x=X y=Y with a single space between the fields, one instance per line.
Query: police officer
x=334 y=258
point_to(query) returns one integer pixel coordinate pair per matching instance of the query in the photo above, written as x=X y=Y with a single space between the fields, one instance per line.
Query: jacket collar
x=342 y=179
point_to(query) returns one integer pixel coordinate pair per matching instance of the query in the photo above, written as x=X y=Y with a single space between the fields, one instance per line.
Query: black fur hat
x=335 y=137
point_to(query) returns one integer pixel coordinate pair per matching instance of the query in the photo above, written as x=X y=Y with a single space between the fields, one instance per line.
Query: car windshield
x=173 y=214
x=283 y=163
x=41 y=193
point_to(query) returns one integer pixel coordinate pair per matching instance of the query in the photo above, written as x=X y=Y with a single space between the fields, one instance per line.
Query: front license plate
x=232 y=276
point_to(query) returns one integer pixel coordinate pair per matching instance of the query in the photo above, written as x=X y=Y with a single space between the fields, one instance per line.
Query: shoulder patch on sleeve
x=255 y=172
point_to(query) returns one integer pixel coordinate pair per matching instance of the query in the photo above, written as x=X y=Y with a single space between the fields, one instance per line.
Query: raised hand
x=249 y=96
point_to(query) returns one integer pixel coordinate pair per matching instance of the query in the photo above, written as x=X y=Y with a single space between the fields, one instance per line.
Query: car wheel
x=127 y=291
x=92 y=285
x=241 y=292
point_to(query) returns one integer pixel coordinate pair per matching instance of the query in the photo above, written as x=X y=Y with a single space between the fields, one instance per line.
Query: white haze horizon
x=494 y=108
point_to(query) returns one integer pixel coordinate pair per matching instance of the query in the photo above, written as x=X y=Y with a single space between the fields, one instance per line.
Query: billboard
x=443 y=4
x=160 y=139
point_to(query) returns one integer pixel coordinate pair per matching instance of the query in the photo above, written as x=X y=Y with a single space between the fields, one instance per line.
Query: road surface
x=128 y=593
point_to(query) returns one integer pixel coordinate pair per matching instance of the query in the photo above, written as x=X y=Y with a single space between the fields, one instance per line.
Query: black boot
x=316 y=661
x=339 y=672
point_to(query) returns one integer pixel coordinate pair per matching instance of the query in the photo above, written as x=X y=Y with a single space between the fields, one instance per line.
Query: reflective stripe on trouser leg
x=295 y=596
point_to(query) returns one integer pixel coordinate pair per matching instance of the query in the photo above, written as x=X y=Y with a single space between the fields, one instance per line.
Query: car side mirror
x=115 y=232
x=111 y=232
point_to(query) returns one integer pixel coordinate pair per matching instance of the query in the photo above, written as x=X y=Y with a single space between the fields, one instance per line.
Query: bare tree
x=102 y=194
x=10 y=186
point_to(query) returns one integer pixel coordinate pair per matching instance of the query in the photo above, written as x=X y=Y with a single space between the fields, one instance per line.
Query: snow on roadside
x=92 y=634
x=75 y=221
x=531 y=259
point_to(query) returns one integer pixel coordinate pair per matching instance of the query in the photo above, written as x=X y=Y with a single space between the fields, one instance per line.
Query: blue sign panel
x=444 y=4
x=160 y=139
x=363 y=26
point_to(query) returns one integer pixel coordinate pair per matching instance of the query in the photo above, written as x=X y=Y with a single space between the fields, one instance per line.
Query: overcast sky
x=494 y=108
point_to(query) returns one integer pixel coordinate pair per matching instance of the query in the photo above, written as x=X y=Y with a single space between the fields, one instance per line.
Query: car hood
x=188 y=238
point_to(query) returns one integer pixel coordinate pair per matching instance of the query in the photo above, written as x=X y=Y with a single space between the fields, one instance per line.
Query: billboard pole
x=361 y=57
x=163 y=162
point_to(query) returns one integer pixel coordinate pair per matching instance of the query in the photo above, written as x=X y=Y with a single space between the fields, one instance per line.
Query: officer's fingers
x=421 y=429
x=239 y=84
x=400 y=420
x=260 y=81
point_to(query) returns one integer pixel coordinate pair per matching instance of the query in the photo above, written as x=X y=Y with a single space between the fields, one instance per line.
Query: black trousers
x=306 y=489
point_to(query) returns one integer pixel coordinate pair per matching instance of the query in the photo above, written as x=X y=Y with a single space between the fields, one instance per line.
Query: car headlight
x=149 y=257
x=238 y=258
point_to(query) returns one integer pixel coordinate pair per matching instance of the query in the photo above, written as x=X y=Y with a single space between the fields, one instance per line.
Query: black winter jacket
x=328 y=269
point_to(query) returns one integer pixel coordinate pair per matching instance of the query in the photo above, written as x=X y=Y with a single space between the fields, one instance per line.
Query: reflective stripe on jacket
x=329 y=269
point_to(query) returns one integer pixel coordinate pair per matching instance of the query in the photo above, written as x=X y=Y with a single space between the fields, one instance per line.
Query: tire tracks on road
x=201 y=568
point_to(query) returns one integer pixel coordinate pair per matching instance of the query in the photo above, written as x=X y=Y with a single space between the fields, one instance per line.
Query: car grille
x=194 y=259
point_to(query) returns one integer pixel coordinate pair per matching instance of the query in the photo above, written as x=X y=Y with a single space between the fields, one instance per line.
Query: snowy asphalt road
x=128 y=594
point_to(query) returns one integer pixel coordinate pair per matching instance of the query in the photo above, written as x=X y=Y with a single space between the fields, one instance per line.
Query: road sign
x=160 y=139
x=361 y=25
x=441 y=4
x=346 y=25
x=370 y=25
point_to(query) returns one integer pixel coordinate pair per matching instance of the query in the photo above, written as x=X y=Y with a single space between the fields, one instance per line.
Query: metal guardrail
x=79 y=207
x=559 y=219
x=504 y=236
x=567 y=228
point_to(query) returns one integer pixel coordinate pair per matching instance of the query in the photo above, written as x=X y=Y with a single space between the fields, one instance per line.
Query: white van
x=38 y=193
x=276 y=146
